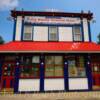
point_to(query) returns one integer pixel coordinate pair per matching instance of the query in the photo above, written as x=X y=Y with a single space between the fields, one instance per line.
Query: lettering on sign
x=52 y=20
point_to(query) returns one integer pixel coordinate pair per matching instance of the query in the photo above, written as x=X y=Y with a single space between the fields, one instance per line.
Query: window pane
x=30 y=66
x=58 y=60
x=53 y=66
x=77 y=30
x=76 y=67
x=53 y=30
x=35 y=59
x=53 y=33
x=27 y=33
x=77 y=34
x=59 y=70
x=49 y=60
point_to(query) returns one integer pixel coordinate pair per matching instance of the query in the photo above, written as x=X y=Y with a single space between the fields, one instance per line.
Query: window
x=76 y=66
x=30 y=67
x=95 y=63
x=27 y=33
x=53 y=33
x=8 y=67
x=77 y=34
x=53 y=66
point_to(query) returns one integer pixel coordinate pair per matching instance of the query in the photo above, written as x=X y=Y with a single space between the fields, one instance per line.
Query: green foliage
x=98 y=38
x=1 y=40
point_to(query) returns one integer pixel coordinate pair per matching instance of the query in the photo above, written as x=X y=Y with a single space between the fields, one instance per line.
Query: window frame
x=76 y=58
x=24 y=39
x=76 y=34
x=57 y=29
x=30 y=66
x=55 y=66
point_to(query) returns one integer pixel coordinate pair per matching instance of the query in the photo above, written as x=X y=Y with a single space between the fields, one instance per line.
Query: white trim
x=29 y=85
x=78 y=83
x=18 y=28
x=53 y=84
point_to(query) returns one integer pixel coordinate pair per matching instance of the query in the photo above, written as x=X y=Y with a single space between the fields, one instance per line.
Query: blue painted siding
x=14 y=29
x=22 y=30
x=82 y=30
x=67 y=25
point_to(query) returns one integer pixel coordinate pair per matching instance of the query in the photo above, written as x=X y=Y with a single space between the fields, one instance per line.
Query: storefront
x=50 y=51
x=31 y=72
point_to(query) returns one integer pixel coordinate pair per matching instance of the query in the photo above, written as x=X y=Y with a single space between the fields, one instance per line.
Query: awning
x=56 y=47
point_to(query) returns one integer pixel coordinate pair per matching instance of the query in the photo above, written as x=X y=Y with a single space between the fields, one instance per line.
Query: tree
x=1 y=40
x=98 y=38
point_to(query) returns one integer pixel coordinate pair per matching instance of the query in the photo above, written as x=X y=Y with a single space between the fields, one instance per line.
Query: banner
x=52 y=20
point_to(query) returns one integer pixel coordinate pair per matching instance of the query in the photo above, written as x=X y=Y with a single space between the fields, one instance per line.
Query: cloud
x=8 y=4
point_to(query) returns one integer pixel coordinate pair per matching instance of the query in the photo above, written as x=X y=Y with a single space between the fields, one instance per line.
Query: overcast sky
x=6 y=26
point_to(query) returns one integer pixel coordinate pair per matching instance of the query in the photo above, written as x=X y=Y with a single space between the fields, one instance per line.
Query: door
x=95 y=64
x=96 y=75
x=7 y=79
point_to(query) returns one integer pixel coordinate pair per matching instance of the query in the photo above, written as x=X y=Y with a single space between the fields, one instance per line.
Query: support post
x=66 y=73
x=89 y=71
x=17 y=73
x=14 y=30
x=42 y=63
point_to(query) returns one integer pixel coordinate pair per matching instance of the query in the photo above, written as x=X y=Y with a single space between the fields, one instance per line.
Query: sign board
x=51 y=20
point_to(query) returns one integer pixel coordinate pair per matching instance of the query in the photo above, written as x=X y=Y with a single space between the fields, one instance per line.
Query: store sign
x=52 y=20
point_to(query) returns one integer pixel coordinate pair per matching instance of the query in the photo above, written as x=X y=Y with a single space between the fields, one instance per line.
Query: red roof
x=61 y=47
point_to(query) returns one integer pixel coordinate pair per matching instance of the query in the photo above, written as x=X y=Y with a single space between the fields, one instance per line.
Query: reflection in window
x=76 y=66
x=30 y=66
x=53 y=66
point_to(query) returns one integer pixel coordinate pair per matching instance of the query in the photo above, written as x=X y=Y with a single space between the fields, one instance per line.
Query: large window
x=53 y=66
x=27 y=35
x=76 y=66
x=53 y=33
x=30 y=67
x=77 y=33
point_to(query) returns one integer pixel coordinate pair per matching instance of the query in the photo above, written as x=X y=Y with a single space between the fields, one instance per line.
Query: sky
x=6 y=25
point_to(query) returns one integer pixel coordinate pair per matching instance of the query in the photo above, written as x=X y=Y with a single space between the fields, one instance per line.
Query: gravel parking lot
x=53 y=96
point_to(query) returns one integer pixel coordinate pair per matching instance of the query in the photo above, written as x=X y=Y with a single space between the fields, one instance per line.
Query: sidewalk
x=53 y=96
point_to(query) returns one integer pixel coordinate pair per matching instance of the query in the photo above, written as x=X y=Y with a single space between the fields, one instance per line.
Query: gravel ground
x=53 y=96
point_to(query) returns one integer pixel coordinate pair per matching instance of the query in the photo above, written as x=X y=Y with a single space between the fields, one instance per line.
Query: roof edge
x=15 y=13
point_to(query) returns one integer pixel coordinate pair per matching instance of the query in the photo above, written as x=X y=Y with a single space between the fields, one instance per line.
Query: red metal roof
x=19 y=46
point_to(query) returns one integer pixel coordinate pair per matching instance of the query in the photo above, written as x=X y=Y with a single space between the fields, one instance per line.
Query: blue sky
x=6 y=26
